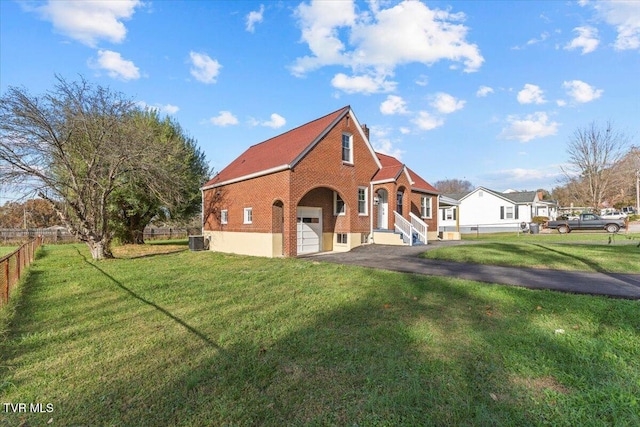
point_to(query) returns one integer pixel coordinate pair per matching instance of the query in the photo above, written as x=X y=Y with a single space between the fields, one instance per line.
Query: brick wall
x=416 y=209
x=274 y=198
x=259 y=194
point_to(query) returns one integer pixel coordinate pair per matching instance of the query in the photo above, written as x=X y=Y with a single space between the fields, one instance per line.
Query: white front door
x=309 y=230
x=383 y=209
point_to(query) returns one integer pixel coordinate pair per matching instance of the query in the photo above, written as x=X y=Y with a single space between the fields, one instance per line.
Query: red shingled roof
x=279 y=151
x=391 y=168
x=420 y=184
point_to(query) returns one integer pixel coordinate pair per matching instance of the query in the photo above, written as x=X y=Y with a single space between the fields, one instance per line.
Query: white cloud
x=365 y=84
x=581 y=91
x=561 y=103
x=446 y=104
x=531 y=94
x=203 y=68
x=115 y=65
x=168 y=109
x=376 y=41
x=426 y=121
x=277 y=121
x=542 y=38
x=405 y=130
x=484 y=91
x=533 y=126
x=253 y=18
x=422 y=80
x=89 y=21
x=544 y=177
x=393 y=105
x=625 y=17
x=587 y=40
x=165 y=109
x=385 y=146
x=319 y=22
x=224 y=118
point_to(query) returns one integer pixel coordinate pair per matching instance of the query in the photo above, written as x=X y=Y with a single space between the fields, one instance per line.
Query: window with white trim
x=399 y=202
x=248 y=215
x=224 y=216
x=362 y=200
x=425 y=206
x=509 y=212
x=338 y=204
x=347 y=148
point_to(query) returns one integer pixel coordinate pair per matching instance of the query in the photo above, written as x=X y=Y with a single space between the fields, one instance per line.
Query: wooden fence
x=14 y=265
x=61 y=235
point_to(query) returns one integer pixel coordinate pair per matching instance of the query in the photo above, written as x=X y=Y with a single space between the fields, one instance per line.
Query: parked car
x=629 y=210
x=609 y=213
x=587 y=221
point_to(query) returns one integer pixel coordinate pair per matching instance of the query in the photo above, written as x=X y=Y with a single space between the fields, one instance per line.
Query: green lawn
x=586 y=251
x=4 y=250
x=200 y=339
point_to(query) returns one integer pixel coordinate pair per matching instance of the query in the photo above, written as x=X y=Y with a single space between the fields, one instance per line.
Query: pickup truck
x=587 y=222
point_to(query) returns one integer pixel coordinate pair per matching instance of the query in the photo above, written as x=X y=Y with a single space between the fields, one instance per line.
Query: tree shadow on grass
x=410 y=350
x=390 y=349
x=162 y=310
x=150 y=255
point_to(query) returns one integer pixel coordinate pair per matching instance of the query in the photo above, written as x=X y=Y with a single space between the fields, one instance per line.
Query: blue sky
x=484 y=91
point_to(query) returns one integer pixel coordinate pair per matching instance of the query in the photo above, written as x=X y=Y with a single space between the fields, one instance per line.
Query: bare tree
x=623 y=192
x=593 y=152
x=77 y=144
x=453 y=186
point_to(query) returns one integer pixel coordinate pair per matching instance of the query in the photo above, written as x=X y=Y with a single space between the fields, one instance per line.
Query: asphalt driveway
x=405 y=259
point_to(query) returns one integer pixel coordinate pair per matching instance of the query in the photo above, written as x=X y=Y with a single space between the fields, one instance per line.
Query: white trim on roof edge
x=245 y=177
x=365 y=139
x=318 y=138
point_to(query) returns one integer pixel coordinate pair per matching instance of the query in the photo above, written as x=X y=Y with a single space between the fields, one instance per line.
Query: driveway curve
x=406 y=259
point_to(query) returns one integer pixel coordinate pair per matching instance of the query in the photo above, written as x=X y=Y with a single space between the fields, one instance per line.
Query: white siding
x=483 y=208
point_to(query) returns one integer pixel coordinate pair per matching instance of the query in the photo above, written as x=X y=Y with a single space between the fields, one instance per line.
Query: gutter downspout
x=202 y=212
x=371 y=196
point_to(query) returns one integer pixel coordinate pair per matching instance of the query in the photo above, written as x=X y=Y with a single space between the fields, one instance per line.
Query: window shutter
x=517 y=209
x=444 y=214
x=455 y=211
x=501 y=212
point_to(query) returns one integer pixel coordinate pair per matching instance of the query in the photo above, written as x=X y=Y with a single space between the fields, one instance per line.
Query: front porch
x=413 y=232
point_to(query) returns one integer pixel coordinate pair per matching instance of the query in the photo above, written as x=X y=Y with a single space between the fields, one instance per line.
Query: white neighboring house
x=486 y=210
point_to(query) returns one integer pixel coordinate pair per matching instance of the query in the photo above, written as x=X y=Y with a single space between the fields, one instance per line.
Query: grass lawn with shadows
x=202 y=338
x=618 y=255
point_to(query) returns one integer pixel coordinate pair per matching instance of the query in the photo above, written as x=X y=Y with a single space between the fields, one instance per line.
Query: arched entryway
x=318 y=213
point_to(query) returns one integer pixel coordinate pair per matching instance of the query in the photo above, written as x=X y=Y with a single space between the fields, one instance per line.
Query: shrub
x=539 y=219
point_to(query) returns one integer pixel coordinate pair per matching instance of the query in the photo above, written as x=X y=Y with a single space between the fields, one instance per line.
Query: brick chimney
x=366 y=131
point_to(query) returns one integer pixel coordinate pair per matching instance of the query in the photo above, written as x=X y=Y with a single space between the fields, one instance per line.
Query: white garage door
x=309 y=230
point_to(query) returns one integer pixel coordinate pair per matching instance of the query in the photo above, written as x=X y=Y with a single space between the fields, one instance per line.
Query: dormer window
x=347 y=148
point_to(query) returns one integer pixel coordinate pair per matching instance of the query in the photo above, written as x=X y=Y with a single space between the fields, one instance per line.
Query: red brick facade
x=311 y=181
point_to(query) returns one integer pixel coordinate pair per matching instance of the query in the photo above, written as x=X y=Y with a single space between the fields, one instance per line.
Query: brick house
x=318 y=187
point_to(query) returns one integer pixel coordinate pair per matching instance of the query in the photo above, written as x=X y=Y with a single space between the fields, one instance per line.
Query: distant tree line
x=34 y=213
